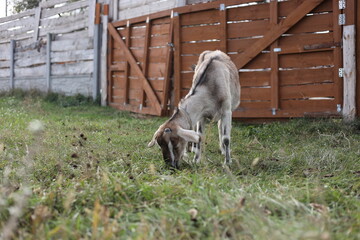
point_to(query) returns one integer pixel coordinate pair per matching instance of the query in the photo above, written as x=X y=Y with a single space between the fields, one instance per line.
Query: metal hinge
x=338 y=108
x=341 y=72
x=273 y=110
x=222 y=7
x=342 y=19
x=172 y=46
x=342 y=4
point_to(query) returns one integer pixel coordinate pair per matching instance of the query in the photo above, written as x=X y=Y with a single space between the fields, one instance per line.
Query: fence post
x=115 y=14
x=274 y=60
x=103 y=77
x=92 y=4
x=349 y=33
x=349 y=111
x=37 y=22
x=12 y=63
x=177 y=59
x=168 y=70
x=145 y=60
x=96 y=51
x=48 y=62
x=357 y=24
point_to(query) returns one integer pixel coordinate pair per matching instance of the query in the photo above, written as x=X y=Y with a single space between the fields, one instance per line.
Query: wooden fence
x=288 y=53
x=126 y=9
x=50 y=48
x=59 y=46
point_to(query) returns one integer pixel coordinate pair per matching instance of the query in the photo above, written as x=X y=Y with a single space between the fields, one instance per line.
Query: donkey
x=214 y=94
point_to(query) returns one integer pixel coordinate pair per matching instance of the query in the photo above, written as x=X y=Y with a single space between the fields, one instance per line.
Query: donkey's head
x=173 y=140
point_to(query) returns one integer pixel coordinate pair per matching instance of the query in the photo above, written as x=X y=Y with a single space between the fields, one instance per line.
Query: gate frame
x=157 y=108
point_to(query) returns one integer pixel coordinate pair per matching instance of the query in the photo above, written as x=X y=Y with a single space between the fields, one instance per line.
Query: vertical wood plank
x=37 y=23
x=115 y=15
x=349 y=111
x=223 y=27
x=169 y=56
x=337 y=31
x=274 y=60
x=127 y=68
x=145 y=61
x=350 y=12
x=177 y=59
x=109 y=71
x=96 y=61
x=48 y=62
x=12 y=63
x=91 y=17
x=103 y=61
x=97 y=13
x=357 y=23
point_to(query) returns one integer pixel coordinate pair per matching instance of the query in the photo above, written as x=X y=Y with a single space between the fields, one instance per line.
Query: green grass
x=92 y=176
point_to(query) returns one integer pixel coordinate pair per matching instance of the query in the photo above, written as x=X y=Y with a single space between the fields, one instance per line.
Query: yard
x=84 y=172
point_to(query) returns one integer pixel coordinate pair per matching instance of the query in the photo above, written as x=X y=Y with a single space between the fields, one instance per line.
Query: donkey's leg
x=225 y=128
x=197 y=146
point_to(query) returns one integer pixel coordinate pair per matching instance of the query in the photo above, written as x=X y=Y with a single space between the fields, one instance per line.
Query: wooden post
x=168 y=69
x=115 y=15
x=223 y=28
x=37 y=23
x=145 y=61
x=96 y=52
x=349 y=53
x=177 y=59
x=274 y=60
x=103 y=74
x=48 y=62
x=109 y=70
x=12 y=63
x=169 y=57
x=357 y=24
x=91 y=10
x=127 y=66
x=338 y=62
x=349 y=111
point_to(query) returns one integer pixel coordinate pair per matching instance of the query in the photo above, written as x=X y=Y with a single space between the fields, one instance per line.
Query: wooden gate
x=139 y=64
x=288 y=54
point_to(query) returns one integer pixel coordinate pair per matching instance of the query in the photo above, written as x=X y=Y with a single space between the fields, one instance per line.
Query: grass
x=89 y=175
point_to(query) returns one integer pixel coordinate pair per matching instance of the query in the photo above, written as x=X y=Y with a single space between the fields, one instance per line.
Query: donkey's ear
x=188 y=135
